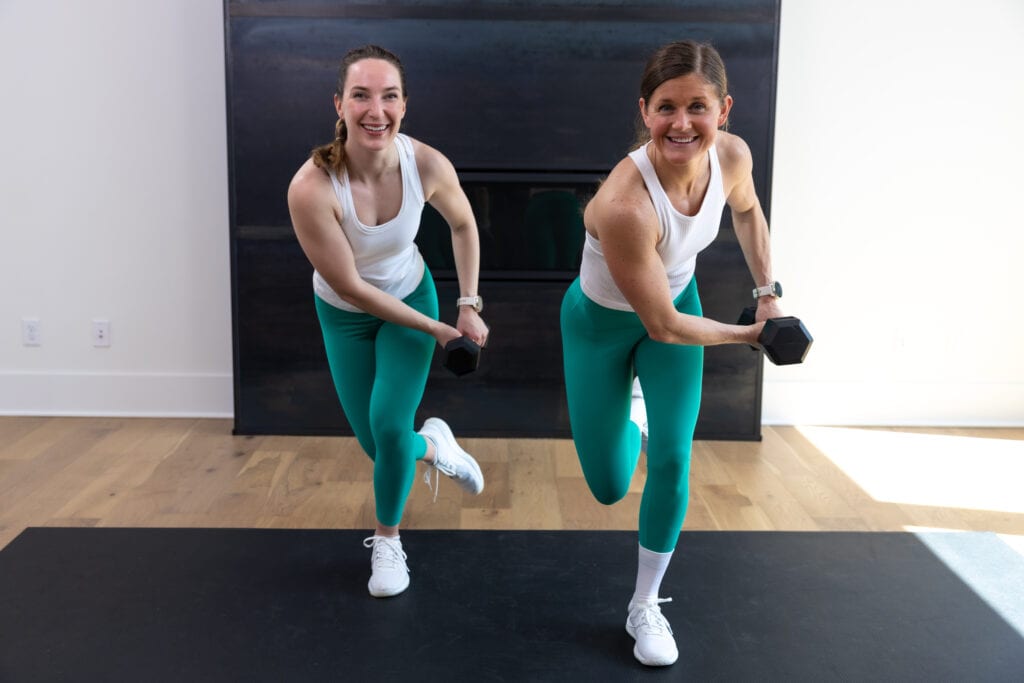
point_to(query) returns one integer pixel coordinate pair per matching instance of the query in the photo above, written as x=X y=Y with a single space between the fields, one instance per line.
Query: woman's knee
x=608 y=494
x=607 y=487
x=368 y=445
x=393 y=442
x=671 y=474
x=613 y=496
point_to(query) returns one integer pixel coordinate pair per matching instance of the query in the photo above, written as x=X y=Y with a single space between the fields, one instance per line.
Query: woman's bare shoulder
x=733 y=153
x=621 y=199
x=309 y=182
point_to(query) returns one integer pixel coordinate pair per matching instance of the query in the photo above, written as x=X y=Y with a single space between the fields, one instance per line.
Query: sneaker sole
x=446 y=434
x=648 y=662
x=388 y=593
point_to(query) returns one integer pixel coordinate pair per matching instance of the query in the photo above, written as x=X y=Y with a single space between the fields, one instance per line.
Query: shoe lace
x=426 y=478
x=387 y=552
x=647 y=616
x=438 y=467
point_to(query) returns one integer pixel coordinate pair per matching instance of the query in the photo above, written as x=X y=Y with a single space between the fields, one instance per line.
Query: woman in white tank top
x=634 y=312
x=356 y=205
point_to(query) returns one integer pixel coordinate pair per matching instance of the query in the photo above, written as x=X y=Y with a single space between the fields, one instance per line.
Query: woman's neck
x=369 y=164
x=684 y=178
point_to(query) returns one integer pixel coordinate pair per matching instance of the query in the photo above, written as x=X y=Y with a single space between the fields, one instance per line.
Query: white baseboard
x=904 y=404
x=122 y=394
x=783 y=403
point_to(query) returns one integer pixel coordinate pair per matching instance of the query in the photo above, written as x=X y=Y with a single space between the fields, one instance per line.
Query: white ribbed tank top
x=386 y=255
x=682 y=236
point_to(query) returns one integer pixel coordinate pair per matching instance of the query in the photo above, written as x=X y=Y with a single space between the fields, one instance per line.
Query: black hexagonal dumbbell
x=785 y=340
x=461 y=356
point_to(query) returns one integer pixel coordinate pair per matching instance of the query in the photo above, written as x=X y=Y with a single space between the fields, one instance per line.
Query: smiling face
x=372 y=103
x=683 y=116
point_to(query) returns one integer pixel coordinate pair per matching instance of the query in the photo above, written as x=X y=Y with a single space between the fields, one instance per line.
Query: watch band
x=771 y=289
x=476 y=302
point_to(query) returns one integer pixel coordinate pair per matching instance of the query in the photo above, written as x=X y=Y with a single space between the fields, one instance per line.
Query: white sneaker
x=655 y=645
x=390 y=574
x=638 y=413
x=449 y=459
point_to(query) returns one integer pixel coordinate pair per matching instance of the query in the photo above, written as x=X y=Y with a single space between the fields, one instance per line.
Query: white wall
x=897 y=169
x=897 y=176
x=113 y=204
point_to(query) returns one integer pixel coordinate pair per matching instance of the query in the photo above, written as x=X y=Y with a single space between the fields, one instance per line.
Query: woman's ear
x=643 y=112
x=726 y=108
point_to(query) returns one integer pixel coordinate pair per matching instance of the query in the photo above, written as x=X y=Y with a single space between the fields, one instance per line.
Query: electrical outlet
x=100 y=332
x=31 y=332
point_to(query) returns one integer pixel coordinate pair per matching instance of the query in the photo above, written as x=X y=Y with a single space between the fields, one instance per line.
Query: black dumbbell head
x=462 y=356
x=785 y=340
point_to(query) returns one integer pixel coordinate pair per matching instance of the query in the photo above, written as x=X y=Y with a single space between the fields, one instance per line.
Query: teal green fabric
x=603 y=349
x=380 y=372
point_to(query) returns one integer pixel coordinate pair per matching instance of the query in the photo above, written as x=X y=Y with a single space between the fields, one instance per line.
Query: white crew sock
x=430 y=440
x=651 y=567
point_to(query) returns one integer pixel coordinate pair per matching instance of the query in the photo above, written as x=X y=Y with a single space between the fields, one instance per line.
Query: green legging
x=380 y=371
x=602 y=350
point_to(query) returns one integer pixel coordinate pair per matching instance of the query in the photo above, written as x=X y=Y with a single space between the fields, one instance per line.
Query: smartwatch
x=477 y=302
x=771 y=289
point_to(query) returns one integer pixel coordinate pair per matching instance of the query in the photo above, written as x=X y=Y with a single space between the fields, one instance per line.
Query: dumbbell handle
x=749 y=317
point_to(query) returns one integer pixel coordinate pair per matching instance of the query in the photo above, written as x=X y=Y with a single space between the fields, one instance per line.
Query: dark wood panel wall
x=533 y=103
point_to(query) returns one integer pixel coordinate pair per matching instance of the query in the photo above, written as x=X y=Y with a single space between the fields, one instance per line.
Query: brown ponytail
x=331 y=157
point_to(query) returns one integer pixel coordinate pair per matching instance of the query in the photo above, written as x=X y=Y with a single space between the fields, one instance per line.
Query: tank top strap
x=647 y=172
x=343 y=191
x=410 y=172
x=716 y=168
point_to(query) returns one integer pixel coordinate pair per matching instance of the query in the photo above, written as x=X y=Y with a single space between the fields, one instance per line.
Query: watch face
x=778 y=289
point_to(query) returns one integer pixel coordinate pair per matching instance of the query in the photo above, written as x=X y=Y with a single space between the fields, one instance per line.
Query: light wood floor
x=194 y=473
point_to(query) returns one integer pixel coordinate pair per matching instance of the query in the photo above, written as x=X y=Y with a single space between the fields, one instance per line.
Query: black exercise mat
x=284 y=605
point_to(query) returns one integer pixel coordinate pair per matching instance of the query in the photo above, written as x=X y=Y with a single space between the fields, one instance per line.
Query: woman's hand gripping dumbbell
x=784 y=340
x=461 y=350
